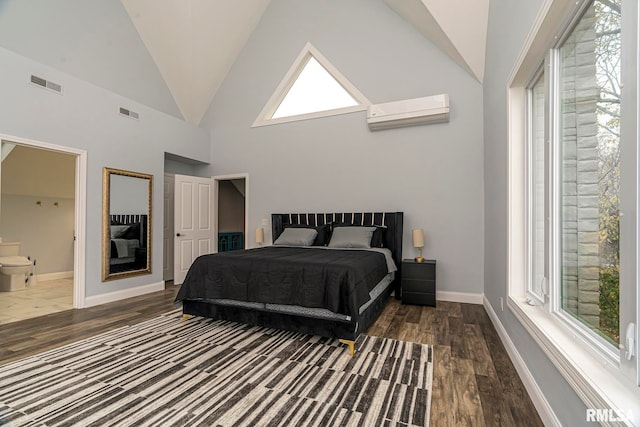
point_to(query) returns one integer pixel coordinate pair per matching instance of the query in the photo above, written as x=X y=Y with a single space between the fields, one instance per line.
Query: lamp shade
x=259 y=235
x=418 y=238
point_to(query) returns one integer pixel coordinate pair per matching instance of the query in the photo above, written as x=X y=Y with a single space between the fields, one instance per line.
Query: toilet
x=14 y=269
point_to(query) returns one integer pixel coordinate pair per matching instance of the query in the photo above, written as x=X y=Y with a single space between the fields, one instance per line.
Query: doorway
x=43 y=208
x=229 y=217
x=230 y=212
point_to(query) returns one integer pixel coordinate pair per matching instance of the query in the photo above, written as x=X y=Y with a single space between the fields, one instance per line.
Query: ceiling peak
x=194 y=44
x=457 y=27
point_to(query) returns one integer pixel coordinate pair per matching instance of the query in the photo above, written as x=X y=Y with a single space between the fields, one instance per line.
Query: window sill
x=593 y=377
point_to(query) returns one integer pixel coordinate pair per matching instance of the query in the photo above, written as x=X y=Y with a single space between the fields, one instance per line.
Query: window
x=588 y=146
x=314 y=90
x=573 y=255
x=311 y=88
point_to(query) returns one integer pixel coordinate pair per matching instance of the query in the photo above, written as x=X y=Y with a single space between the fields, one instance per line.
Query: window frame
x=554 y=277
x=580 y=361
x=551 y=297
x=265 y=118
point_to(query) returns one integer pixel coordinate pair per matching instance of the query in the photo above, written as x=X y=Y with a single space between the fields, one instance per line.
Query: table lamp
x=260 y=235
x=418 y=242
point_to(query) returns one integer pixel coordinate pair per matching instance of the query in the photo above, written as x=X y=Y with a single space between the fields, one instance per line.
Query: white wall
x=509 y=23
x=86 y=117
x=433 y=173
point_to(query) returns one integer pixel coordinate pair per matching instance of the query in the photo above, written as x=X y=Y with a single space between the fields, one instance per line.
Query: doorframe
x=80 y=220
x=216 y=185
x=171 y=237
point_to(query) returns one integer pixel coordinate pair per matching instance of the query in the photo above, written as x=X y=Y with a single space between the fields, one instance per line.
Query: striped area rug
x=164 y=372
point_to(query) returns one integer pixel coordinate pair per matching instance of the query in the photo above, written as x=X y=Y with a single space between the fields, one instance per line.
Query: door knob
x=178 y=234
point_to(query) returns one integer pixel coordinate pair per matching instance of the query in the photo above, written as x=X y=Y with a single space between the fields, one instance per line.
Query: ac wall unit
x=410 y=112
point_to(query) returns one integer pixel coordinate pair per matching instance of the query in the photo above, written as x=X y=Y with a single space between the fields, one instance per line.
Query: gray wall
x=92 y=40
x=177 y=167
x=509 y=24
x=86 y=117
x=128 y=195
x=433 y=173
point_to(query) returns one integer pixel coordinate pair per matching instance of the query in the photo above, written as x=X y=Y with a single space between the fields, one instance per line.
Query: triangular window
x=312 y=88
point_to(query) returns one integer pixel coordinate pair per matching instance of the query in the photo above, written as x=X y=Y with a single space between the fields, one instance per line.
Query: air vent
x=46 y=84
x=129 y=113
x=39 y=81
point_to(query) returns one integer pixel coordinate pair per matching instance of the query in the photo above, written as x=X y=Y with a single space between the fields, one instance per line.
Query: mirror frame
x=106 y=224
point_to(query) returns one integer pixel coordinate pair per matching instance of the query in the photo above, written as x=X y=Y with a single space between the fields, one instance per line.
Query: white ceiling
x=457 y=27
x=194 y=43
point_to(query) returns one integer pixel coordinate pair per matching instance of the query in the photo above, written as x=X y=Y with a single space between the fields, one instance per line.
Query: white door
x=168 y=234
x=193 y=222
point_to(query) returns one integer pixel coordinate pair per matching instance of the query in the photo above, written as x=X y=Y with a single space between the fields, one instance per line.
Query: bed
x=274 y=286
x=128 y=242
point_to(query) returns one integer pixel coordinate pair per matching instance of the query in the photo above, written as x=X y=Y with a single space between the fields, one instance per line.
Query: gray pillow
x=351 y=237
x=296 y=237
x=118 y=230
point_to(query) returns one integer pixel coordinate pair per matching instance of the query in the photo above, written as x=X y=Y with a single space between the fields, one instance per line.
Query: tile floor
x=43 y=298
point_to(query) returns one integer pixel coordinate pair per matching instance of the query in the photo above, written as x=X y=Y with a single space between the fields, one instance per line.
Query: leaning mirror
x=126 y=224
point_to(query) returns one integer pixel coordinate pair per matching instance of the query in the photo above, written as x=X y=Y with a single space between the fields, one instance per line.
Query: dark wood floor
x=474 y=381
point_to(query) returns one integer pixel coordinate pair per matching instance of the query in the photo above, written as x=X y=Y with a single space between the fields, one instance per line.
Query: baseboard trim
x=463 y=297
x=541 y=403
x=123 y=294
x=54 y=276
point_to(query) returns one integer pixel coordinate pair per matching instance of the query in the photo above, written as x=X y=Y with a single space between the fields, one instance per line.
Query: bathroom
x=37 y=211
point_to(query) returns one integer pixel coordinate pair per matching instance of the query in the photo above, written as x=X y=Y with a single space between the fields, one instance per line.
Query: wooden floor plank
x=457 y=338
x=478 y=351
x=495 y=409
x=409 y=332
x=425 y=326
x=441 y=329
x=397 y=323
x=451 y=308
x=442 y=399
x=413 y=313
x=466 y=399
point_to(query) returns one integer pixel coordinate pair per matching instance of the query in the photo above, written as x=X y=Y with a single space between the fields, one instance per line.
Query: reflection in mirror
x=126 y=224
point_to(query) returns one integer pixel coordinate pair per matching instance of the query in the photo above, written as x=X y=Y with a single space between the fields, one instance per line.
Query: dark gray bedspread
x=338 y=280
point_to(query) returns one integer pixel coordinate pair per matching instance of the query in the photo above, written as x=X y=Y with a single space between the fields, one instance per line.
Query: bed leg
x=351 y=344
x=186 y=317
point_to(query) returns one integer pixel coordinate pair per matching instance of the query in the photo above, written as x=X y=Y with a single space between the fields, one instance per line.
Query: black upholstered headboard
x=392 y=220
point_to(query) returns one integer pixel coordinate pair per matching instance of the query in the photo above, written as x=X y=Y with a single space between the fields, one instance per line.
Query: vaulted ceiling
x=188 y=46
x=194 y=43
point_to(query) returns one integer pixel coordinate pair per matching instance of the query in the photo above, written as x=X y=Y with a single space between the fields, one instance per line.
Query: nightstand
x=418 y=282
